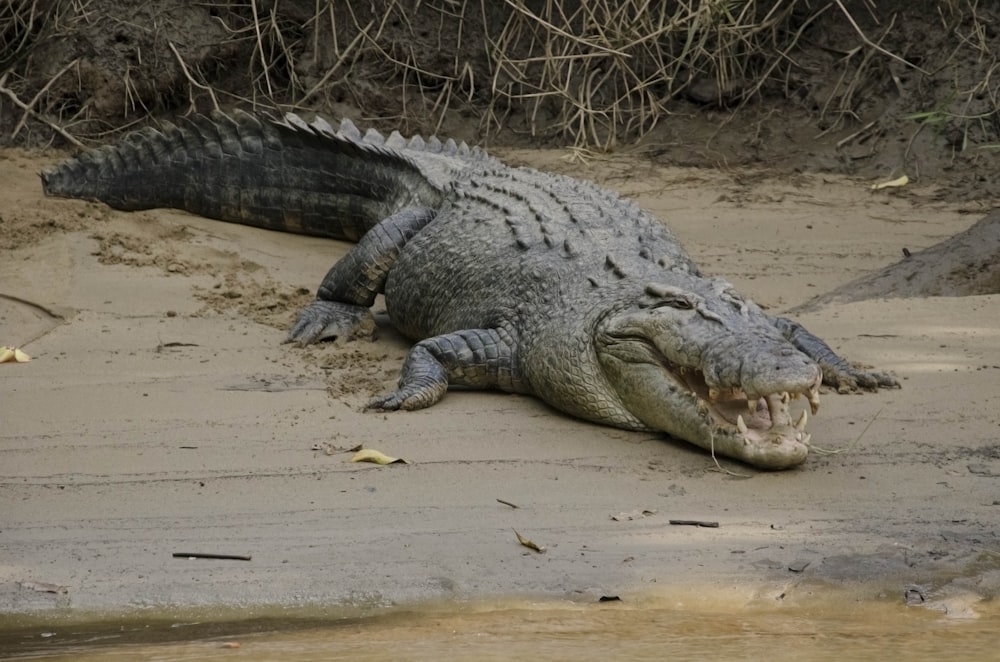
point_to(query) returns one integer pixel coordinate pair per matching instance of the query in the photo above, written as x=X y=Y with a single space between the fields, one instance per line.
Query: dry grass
x=589 y=74
x=610 y=70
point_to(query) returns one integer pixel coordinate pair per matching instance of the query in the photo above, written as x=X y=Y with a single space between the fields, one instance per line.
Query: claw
x=322 y=320
x=800 y=425
x=814 y=400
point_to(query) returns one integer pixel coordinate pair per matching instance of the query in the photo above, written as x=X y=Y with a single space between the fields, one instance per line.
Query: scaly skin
x=507 y=278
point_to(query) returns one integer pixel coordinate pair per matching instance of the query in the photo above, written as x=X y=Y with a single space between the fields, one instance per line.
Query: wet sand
x=161 y=415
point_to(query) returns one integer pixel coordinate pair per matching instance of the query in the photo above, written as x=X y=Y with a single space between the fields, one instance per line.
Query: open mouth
x=759 y=417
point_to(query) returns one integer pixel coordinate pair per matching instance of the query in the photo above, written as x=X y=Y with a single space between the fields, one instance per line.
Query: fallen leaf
x=13 y=355
x=527 y=543
x=635 y=514
x=45 y=587
x=378 y=457
x=798 y=565
x=894 y=183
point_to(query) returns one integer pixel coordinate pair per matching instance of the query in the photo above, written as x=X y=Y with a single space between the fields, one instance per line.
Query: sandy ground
x=160 y=415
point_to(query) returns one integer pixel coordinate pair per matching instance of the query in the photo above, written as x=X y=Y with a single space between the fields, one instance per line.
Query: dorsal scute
x=373 y=137
x=294 y=121
x=322 y=127
x=347 y=130
x=395 y=140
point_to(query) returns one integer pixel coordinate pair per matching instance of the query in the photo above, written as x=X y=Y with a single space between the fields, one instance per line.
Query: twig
x=201 y=555
x=507 y=503
x=31 y=104
x=869 y=42
x=29 y=110
x=589 y=44
x=694 y=522
x=854 y=135
x=718 y=466
x=192 y=81
x=336 y=65
x=850 y=446
x=260 y=49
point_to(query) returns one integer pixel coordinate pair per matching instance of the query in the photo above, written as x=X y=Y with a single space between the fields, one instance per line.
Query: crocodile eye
x=680 y=303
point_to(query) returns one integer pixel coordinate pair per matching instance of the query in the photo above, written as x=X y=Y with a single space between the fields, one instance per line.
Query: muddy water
x=834 y=629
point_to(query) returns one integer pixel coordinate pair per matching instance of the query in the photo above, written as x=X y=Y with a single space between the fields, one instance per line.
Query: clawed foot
x=853 y=379
x=408 y=398
x=422 y=383
x=322 y=320
x=389 y=402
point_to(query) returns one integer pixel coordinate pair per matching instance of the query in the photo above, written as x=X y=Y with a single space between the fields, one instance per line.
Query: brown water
x=824 y=629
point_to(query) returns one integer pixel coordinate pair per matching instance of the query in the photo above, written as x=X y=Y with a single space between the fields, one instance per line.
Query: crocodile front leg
x=341 y=308
x=837 y=372
x=474 y=358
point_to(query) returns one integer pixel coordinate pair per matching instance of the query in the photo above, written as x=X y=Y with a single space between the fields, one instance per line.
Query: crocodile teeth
x=785 y=397
x=814 y=400
x=800 y=424
x=752 y=404
x=741 y=425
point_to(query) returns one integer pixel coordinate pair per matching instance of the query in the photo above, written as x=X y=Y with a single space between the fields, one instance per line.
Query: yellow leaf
x=13 y=355
x=527 y=543
x=895 y=183
x=378 y=457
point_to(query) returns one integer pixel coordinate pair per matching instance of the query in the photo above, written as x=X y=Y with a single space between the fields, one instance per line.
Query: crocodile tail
x=237 y=168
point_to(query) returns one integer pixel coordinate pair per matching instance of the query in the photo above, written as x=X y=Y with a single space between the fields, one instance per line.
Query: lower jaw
x=769 y=454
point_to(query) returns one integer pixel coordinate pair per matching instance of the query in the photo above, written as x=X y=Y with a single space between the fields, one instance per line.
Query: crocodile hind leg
x=474 y=358
x=837 y=372
x=341 y=308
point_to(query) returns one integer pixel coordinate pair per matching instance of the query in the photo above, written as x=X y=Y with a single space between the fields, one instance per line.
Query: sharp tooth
x=801 y=423
x=814 y=400
x=741 y=425
x=752 y=404
x=785 y=397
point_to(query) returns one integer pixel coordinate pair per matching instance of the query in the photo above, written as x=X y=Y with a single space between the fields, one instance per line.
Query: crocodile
x=504 y=277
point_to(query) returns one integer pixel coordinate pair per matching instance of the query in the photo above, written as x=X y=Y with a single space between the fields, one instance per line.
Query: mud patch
x=966 y=264
x=256 y=296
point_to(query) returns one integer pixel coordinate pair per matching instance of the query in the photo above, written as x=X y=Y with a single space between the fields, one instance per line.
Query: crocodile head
x=707 y=366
